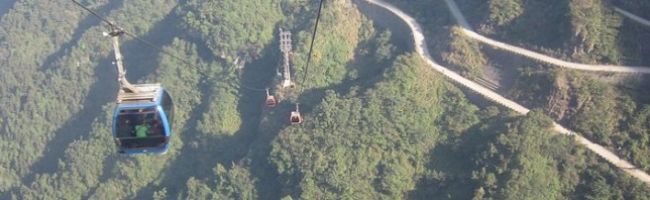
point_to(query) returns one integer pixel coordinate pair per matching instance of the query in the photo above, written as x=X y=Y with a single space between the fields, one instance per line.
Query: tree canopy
x=379 y=122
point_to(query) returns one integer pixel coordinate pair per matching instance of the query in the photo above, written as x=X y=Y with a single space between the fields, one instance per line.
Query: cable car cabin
x=270 y=101
x=142 y=121
x=295 y=118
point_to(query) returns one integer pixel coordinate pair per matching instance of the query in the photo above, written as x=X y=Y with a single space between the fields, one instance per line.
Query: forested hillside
x=379 y=123
x=605 y=107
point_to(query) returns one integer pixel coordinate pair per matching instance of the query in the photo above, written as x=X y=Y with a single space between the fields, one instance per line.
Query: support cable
x=113 y=26
x=311 y=46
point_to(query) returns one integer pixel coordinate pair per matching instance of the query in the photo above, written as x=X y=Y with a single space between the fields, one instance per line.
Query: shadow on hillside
x=401 y=33
x=452 y=161
x=250 y=146
x=203 y=152
x=633 y=46
x=83 y=26
x=451 y=180
x=187 y=159
x=543 y=25
x=5 y=7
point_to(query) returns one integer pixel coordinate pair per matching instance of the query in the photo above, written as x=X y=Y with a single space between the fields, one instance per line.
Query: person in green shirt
x=141 y=131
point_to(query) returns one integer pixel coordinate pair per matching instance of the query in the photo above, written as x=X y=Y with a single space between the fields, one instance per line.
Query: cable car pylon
x=285 y=48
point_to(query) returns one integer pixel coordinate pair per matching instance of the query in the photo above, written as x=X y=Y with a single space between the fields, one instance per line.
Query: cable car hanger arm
x=113 y=25
x=115 y=34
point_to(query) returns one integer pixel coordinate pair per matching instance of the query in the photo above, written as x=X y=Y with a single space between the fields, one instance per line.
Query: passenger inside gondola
x=140 y=128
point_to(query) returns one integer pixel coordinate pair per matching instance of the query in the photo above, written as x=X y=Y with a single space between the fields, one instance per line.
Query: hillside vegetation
x=379 y=123
x=604 y=107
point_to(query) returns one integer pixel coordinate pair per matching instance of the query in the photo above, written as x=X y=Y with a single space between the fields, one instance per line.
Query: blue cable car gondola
x=142 y=120
x=143 y=116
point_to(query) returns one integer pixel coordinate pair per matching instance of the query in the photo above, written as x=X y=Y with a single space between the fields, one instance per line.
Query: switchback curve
x=467 y=30
x=422 y=49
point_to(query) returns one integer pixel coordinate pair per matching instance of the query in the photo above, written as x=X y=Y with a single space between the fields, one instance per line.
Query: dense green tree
x=465 y=55
x=49 y=75
x=235 y=183
x=335 y=48
x=374 y=147
x=596 y=29
x=514 y=165
x=503 y=12
x=379 y=122
x=233 y=28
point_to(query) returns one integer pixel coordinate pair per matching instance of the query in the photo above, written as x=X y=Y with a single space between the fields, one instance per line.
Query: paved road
x=467 y=30
x=422 y=49
x=633 y=17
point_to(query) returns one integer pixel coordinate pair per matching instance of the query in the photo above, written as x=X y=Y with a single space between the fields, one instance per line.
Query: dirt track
x=467 y=30
x=422 y=49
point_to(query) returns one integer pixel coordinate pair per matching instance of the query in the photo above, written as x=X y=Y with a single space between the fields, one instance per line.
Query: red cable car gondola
x=295 y=117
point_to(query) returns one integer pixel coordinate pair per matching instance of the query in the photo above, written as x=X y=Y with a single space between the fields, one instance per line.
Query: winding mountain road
x=467 y=30
x=422 y=49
